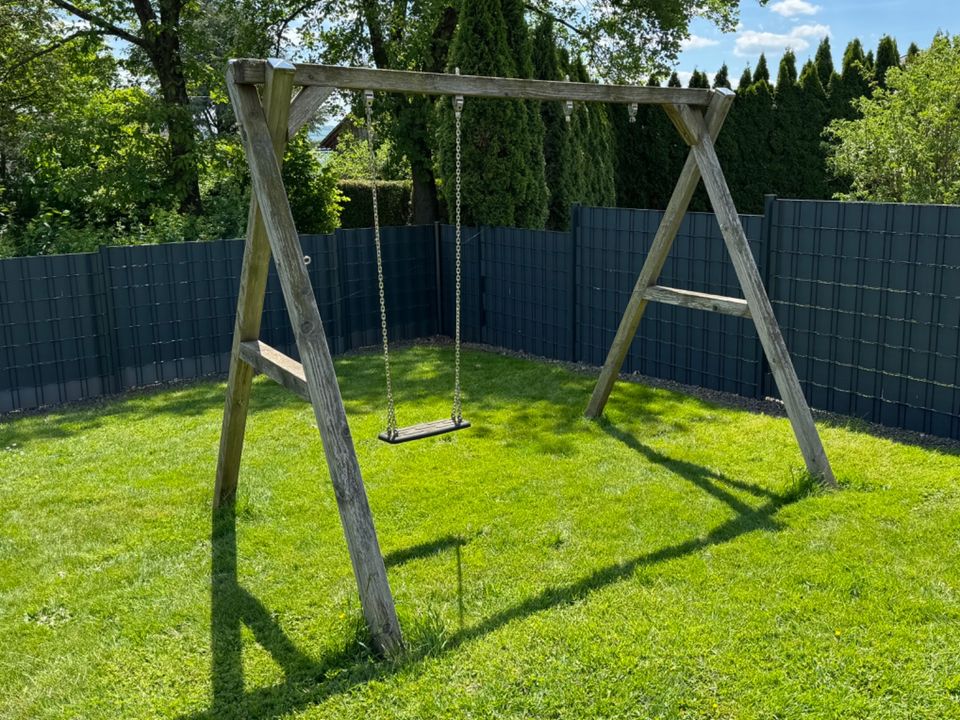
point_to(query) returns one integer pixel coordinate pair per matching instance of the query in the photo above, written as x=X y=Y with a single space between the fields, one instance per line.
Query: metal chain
x=457 y=412
x=391 y=429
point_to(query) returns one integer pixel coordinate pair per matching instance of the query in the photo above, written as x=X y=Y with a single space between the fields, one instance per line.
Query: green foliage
x=824 y=62
x=762 y=72
x=311 y=188
x=393 y=203
x=559 y=149
x=499 y=173
x=669 y=561
x=888 y=56
x=906 y=145
x=722 y=78
x=351 y=158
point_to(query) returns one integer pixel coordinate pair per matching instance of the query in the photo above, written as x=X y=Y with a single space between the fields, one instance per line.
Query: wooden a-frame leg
x=761 y=310
x=253 y=284
x=355 y=516
x=653 y=265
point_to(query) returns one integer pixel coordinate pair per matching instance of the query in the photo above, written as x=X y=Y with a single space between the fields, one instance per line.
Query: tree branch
x=108 y=27
x=567 y=24
x=56 y=45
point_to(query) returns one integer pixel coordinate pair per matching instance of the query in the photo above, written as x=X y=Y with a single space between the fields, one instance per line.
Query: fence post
x=767 y=275
x=108 y=339
x=438 y=269
x=575 y=282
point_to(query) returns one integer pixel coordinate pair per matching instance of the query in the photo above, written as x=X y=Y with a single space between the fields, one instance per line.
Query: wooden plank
x=280 y=368
x=304 y=107
x=249 y=71
x=355 y=516
x=685 y=132
x=424 y=430
x=656 y=258
x=699 y=301
x=253 y=285
x=761 y=310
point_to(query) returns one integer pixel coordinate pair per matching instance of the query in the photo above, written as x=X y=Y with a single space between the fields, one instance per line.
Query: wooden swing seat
x=424 y=430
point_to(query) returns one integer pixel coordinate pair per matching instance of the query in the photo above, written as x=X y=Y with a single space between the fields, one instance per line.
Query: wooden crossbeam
x=422 y=83
x=697 y=300
x=280 y=368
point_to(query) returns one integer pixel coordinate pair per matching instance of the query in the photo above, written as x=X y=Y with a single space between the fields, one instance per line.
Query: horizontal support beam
x=275 y=365
x=697 y=300
x=246 y=71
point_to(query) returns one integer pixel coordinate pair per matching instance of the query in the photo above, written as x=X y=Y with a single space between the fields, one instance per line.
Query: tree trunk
x=426 y=207
x=167 y=62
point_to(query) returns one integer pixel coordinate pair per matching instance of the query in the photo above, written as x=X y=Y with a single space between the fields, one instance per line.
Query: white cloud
x=792 y=8
x=754 y=42
x=695 y=42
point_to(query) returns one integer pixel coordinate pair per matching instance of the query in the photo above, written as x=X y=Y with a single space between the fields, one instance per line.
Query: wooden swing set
x=268 y=118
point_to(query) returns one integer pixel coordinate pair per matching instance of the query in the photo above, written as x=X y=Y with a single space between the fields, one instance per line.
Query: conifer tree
x=756 y=159
x=851 y=84
x=824 y=61
x=888 y=56
x=558 y=152
x=495 y=154
x=762 y=72
x=784 y=139
x=746 y=79
x=595 y=140
x=532 y=210
x=722 y=78
x=674 y=80
x=912 y=52
x=699 y=79
x=810 y=163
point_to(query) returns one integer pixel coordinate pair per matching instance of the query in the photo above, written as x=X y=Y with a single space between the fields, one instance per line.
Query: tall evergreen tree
x=912 y=52
x=762 y=72
x=757 y=162
x=789 y=116
x=888 y=56
x=532 y=210
x=674 y=80
x=593 y=136
x=494 y=149
x=851 y=84
x=824 y=61
x=810 y=164
x=558 y=151
x=699 y=79
x=746 y=79
x=722 y=78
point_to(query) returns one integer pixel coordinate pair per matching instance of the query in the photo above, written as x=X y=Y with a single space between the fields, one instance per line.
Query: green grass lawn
x=671 y=561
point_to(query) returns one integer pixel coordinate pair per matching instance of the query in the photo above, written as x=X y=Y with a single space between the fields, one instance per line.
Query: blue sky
x=800 y=24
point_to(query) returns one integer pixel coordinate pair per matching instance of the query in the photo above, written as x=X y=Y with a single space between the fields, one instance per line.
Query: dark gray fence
x=868 y=297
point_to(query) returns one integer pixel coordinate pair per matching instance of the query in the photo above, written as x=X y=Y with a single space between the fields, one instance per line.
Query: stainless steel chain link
x=391 y=429
x=457 y=412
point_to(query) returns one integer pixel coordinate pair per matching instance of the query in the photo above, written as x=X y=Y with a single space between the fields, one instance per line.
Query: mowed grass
x=671 y=561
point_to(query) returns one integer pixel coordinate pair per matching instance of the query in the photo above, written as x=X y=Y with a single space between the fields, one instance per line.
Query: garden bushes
x=393 y=200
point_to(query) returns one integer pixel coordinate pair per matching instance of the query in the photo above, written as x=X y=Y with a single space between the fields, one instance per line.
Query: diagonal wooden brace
x=319 y=373
x=653 y=265
x=761 y=310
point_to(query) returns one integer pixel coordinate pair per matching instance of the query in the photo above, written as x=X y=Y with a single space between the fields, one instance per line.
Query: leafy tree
x=888 y=56
x=906 y=145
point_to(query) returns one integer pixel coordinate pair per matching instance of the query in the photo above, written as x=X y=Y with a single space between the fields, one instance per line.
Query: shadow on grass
x=308 y=681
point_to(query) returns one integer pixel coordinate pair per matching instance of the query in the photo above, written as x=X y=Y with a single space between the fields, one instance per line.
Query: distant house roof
x=332 y=138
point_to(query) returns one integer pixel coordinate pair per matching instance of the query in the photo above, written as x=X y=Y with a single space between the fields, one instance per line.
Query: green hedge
x=393 y=199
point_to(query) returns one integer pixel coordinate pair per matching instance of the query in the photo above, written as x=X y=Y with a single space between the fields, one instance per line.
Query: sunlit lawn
x=668 y=562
